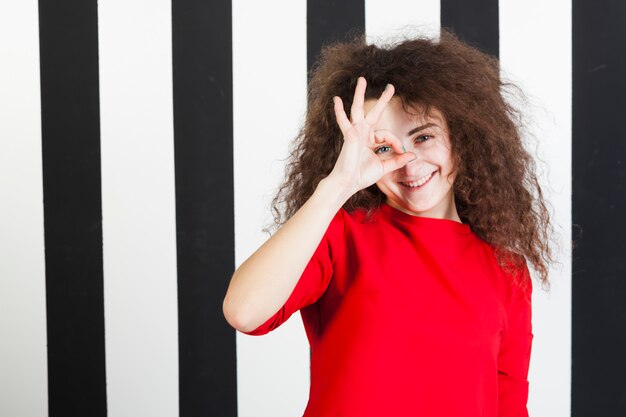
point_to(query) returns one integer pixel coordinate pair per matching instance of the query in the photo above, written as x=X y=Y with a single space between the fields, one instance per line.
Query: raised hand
x=358 y=166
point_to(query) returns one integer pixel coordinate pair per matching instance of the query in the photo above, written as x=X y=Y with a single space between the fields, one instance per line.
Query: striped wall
x=23 y=352
x=70 y=140
x=138 y=207
x=269 y=95
x=548 y=90
x=598 y=206
x=140 y=145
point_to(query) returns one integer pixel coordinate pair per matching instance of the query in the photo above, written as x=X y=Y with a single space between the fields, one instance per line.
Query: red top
x=411 y=316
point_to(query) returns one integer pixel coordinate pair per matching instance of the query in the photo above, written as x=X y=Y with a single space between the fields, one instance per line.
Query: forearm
x=263 y=283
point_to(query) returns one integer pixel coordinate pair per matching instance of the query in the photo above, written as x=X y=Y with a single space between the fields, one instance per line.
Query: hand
x=358 y=166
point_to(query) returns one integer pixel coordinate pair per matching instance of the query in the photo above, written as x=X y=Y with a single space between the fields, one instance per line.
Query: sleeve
x=515 y=350
x=313 y=281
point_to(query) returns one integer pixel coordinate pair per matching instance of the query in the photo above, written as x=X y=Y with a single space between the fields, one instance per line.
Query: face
x=421 y=187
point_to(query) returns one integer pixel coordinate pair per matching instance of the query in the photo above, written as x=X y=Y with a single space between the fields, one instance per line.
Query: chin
x=414 y=208
x=419 y=208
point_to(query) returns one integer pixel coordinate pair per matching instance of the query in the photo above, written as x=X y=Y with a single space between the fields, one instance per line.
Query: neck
x=449 y=213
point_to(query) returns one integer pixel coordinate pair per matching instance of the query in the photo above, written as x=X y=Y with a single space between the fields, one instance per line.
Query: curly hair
x=496 y=189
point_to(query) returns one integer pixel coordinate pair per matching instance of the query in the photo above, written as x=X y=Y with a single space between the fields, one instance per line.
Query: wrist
x=334 y=190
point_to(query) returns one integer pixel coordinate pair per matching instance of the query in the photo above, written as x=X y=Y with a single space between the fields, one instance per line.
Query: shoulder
x=510 y=272
x=518 y=282
x=348 y=226
x=353 y=218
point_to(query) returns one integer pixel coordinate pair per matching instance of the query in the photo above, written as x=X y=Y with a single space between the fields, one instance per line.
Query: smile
x=419 y=183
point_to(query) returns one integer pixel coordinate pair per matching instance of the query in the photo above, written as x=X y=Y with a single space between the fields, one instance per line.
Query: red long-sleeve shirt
x=411 y=316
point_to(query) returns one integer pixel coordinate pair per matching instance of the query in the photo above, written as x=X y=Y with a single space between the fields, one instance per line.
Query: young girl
x=406 y=226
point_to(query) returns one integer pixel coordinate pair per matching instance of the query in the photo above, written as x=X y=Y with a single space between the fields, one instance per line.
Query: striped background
x=141 y=142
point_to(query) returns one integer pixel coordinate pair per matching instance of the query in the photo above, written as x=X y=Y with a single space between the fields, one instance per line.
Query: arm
x=264 y=282
x=515 y=349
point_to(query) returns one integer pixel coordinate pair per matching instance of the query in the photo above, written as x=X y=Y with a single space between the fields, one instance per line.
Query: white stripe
x=138 y=207
x=269 y=102
x=540 y=60
x=386 y=19
x=23 y=357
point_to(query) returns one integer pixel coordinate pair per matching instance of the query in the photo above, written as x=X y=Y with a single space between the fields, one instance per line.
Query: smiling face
x=422 y=187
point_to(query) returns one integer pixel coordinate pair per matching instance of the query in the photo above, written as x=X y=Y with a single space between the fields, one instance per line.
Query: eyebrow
x=422 y=127
x=415 y=130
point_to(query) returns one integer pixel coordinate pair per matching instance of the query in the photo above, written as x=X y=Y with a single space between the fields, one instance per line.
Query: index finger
x=356 y=111
x=340 y=114
x=374 y=114
x=393 y=142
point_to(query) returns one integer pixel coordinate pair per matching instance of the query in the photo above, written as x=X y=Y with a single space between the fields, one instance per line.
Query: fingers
x=394 y=143
x=374 y=114
x=340 y=114
x=356 y=111
x=398 y=161
x=390 y=141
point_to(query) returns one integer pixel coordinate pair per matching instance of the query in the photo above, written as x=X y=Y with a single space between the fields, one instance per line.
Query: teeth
x=419 y=182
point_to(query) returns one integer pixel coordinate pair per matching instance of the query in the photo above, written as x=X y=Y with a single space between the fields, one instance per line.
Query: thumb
x=398 y=161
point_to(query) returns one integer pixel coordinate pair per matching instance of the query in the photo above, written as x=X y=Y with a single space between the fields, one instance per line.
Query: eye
x=382 y=149
x=423 y=138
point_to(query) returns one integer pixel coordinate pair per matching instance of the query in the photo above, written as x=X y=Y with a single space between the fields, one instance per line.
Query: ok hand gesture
x=358 y=166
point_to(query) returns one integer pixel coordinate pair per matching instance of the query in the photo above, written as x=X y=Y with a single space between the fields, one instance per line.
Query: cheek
x=447 y=171
x=382 y=184
x=386 y=183
x=447 y=174
x=387 y=178
x=444 y=157
x=450 y=179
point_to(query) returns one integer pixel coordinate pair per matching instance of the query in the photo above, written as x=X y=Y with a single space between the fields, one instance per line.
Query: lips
x=420 y=182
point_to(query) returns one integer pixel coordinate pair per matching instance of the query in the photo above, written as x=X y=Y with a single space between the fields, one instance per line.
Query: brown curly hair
x=496 y=188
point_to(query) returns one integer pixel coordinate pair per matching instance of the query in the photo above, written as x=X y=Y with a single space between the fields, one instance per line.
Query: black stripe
x=329 y=21
x=598 y=207
x=474 y=21
x=68 y=36
x=203 y=132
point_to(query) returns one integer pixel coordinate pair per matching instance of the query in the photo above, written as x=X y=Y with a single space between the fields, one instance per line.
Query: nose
x=414 y=164
x=407 y=145
x=411 y=168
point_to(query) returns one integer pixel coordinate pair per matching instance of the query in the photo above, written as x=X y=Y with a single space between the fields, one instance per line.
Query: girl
x=405 y=233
